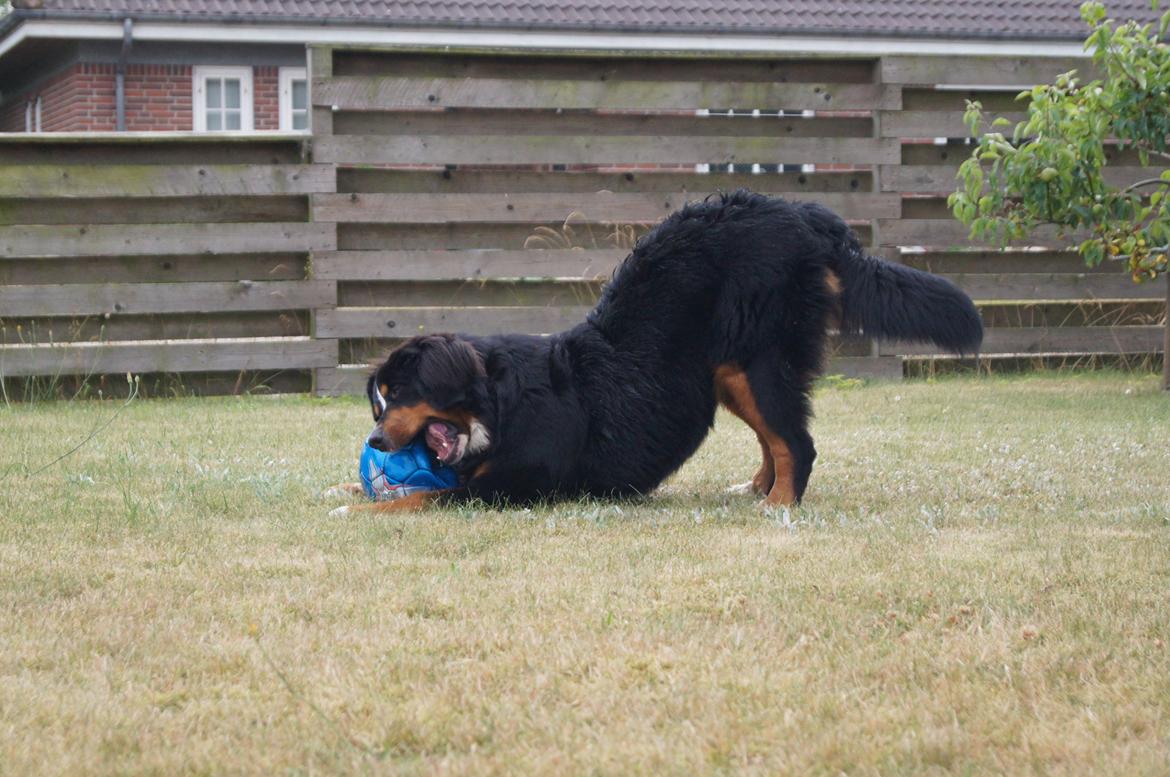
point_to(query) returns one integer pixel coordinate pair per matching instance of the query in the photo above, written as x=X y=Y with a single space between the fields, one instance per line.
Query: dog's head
x=431 y=385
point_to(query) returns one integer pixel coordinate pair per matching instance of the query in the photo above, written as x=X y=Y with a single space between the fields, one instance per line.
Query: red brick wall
x=266 y=97
x=158 y=98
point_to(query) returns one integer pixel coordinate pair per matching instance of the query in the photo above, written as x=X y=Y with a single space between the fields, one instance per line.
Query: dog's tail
x=890 y=300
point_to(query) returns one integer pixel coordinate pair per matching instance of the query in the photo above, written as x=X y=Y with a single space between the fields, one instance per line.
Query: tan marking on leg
x=833 y=281
x=735 y=393
x=412 y=503
x=343 y=489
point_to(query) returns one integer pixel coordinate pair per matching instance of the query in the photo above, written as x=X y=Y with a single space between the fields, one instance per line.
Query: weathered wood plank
x=940 y=178
x=185 y=326
x=407 y=322
x=426 y=237
x=152 y=180
x=462 y=294
x=624 y=65
x=793 y=185
x=1055 y=286
x=983 y=71
x=154 y=239
x=1052 y=340
x=133 y=149
x=596 y=207
x=140 y=298
x=171 y=356
x=373 y=93
x=1093 y=313
x=593 y=150
x=1003 y=262
x=164 y=210
x=948 y=233
x=347 y=380
x=511 y=122
x=930 y=124
x=154 y=269
x=477 y=264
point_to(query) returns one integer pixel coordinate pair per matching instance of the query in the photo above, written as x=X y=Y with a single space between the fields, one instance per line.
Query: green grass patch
x=979 y=582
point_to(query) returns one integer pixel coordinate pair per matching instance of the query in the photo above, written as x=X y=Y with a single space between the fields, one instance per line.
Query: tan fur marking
x=833 y=281
x=402 y=424
x=412 y=503
x=384 y=390
x=735 y=393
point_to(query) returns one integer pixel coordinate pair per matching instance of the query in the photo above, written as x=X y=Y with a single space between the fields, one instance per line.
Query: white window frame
x=199 y=76
x=287 y=76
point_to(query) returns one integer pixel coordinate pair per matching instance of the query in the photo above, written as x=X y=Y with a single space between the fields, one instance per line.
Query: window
x=294 y=99
x=223 y=99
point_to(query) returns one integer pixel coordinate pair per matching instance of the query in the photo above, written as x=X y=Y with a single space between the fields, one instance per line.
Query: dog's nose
x=377 y=440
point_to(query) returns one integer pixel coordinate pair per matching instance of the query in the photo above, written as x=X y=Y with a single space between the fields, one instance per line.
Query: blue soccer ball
x=403 y=472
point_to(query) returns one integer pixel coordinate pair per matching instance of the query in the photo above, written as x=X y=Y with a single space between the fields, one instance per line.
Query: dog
x=728 y=301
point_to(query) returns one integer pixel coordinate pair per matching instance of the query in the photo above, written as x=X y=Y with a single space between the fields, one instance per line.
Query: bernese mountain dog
x=727 y=302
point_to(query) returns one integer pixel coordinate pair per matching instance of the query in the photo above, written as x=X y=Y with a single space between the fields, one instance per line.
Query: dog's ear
x=448 y=368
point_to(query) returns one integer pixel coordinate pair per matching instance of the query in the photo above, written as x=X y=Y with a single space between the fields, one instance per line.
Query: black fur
x=619 y=402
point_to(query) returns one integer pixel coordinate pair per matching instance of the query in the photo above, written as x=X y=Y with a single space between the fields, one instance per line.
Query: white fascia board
x=537 y=40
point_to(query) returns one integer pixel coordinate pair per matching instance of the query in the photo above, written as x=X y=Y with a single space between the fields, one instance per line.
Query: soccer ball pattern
x=403 y=472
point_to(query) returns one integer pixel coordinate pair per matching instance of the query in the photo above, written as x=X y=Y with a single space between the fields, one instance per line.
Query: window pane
x=300 y=120
x=214 y=95
x=231 y=89
x=214 y=121
x=300 y=95
x=233 y=120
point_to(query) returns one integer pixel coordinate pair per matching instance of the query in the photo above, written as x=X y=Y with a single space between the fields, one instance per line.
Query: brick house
x=207 y=66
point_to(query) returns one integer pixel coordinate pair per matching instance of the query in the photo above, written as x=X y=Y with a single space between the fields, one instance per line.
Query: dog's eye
x=393 y=392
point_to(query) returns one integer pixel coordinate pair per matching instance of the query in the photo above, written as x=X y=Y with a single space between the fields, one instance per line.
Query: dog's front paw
x=339 y=512
x=343 y=490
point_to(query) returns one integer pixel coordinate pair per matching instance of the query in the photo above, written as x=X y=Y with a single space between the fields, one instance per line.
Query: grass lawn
x=979 y=582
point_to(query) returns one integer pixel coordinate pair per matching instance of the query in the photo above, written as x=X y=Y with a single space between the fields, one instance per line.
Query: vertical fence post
x=321 y=125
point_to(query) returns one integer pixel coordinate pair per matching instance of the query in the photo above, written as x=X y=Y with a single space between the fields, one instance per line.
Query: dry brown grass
x=978 y=583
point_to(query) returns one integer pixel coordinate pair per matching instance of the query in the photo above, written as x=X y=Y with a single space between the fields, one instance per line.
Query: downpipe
x=120 y=74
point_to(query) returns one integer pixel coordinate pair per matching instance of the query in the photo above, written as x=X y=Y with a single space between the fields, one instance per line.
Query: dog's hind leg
x=777 y=411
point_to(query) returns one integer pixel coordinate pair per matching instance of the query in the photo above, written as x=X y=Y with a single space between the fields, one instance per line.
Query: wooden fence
x=160 y=257
x=492 y=192
x=489 y=192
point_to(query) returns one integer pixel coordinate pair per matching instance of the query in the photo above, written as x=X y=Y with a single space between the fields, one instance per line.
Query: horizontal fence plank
x=154 y=239
x=373 y=93
x=132 y=148
x=1095 y=313
x=1056 y=286
x=940 y=178
x=471 y=264
x=170 y=356
x=407 y=322
x=344 y=380
x=468 y=294
x=443 y=181
x=1003 y=262
x=950 y=233
x=600 y=150
x=152 y=180
x=621 y=65
x=599 y=206
x=155 y=210
x=140 y=298
x=187 y=326
x=458 y=235
x=154 y=269
x=931 y=124
x=983 y=71
x=1053 y=340
x=465 y=122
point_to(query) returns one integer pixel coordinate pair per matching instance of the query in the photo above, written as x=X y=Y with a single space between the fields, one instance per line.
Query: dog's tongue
x=442 y=438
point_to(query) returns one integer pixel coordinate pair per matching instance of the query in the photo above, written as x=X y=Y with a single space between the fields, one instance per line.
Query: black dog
x=727 y=301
